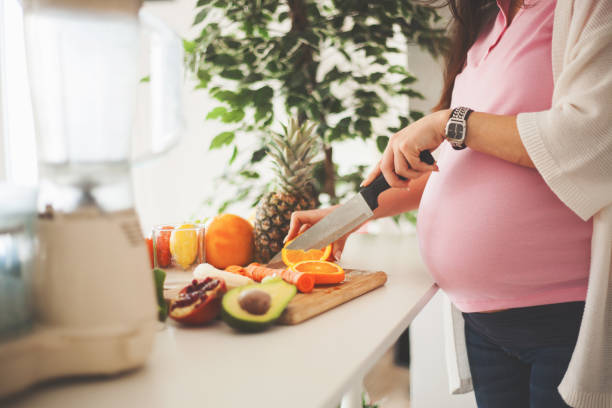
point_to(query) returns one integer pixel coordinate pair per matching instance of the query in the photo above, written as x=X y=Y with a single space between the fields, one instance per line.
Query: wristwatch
x=456 y=127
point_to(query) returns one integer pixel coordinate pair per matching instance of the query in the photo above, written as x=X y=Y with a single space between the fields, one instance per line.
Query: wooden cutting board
x=305 y=305
x=323 y=298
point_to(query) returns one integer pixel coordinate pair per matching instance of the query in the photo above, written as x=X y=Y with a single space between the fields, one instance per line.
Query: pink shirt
x=492 y=233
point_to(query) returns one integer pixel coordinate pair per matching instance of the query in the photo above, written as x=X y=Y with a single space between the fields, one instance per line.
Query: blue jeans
x=516 y=377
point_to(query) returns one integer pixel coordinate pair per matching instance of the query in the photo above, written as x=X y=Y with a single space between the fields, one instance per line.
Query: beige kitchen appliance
x=91 y=286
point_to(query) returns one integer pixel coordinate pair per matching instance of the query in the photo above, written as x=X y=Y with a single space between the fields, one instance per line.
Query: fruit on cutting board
x=293 y=256
x=232 y=280
x=229 y=241
x=258 y=273
x=162 y=247
x=293 y=154
x=323 y=272
x=184 y=245
x=199 y=302
x=254 y=307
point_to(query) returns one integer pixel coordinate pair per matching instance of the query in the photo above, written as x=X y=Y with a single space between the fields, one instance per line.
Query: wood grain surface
x=323 y=298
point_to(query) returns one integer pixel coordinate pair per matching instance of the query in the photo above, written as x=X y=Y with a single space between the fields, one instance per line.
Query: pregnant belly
x=494 y=235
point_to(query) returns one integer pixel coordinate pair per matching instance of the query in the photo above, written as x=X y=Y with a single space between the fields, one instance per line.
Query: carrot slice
x=303 y=282
x=236 y=269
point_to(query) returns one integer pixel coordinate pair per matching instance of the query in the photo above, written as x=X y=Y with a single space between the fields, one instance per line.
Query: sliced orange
x=323 y=272
x=293 y=256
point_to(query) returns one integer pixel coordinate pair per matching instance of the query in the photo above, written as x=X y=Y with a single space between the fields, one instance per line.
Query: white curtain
x=17 y=142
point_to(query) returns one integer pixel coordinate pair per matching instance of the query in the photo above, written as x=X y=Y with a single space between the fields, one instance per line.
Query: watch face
x=454 y=131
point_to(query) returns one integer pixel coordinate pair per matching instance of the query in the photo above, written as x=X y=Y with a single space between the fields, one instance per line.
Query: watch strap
x=459 y=116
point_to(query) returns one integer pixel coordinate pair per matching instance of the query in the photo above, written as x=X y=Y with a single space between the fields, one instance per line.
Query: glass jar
x=17 y=253
x=178 y=247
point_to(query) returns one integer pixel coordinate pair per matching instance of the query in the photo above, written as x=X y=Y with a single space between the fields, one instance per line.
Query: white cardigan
x=571 y=147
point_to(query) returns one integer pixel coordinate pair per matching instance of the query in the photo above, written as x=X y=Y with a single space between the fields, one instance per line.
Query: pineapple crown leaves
x=293 y=153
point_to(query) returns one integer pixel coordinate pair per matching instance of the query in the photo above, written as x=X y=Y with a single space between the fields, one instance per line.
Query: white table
x=310 y=365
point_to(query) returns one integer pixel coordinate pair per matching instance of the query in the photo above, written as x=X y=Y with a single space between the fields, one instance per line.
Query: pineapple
x=293 y=155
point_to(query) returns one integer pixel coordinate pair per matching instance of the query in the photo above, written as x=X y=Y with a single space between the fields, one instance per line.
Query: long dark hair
x=469 y=17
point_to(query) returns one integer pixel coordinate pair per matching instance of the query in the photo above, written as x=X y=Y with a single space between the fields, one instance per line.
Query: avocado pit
x=255 y=301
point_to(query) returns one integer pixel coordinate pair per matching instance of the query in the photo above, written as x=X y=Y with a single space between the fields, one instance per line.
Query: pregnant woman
x=514 y=221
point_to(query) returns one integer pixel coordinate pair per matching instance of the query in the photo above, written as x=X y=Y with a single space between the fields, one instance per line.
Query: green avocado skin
x=279 y=304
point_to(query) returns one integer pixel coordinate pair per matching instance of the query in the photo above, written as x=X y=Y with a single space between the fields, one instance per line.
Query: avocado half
x=233 y=311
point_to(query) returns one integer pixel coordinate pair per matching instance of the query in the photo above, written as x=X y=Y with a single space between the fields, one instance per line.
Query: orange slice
x=323 y=272
x=293 y=256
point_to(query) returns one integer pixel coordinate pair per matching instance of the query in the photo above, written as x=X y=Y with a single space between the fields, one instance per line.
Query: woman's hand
x=401 y=157
x=302 y=220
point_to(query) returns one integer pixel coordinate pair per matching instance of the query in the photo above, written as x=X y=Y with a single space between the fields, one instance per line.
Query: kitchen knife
x=346 y=217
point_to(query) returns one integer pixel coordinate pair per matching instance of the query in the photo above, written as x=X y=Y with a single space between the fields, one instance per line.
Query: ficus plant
x=328 y=61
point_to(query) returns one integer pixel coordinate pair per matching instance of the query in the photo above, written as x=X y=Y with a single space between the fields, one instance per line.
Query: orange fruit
x=293 y=256
x=229 y=241
x=323 y=272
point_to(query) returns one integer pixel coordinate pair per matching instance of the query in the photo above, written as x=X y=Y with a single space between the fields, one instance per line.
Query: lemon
x=184 y=245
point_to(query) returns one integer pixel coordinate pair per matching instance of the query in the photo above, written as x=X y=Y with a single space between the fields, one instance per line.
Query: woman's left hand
x=401 y=156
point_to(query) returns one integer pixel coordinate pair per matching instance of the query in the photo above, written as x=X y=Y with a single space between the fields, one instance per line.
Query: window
x=17 y=142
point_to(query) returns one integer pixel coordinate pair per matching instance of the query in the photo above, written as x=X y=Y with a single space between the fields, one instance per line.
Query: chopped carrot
x=303 y=282
x=236 y=269
x=258 y=272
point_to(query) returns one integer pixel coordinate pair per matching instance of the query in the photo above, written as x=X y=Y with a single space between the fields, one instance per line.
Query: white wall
x=172 y=188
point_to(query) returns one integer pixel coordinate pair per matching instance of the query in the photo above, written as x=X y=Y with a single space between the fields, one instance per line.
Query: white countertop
x=308 y=365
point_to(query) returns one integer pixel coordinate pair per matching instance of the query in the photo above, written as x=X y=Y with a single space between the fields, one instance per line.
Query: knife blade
x=346 y=217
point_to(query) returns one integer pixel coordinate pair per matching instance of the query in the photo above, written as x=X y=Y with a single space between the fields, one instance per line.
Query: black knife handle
x=371 y=192
x=426 y=157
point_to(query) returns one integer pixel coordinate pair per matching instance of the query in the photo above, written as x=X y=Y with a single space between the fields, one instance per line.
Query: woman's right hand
x=302 y=220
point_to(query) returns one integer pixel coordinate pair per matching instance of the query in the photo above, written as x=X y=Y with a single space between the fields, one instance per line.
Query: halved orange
x=323 y=272
x=293 y=256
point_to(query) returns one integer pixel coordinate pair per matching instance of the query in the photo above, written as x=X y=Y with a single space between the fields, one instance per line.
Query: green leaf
x=200 y=17
x=234 y=155
x=223 y=138
x=233 y=116
x=398 y=69
x=232 y=74
x=204 y=77
x=411 y=93
x=416 y=115
x=408 y=80
x=216 y=112
x=145 y=79
x=201 y=3
x=381 y=143
x=159 y=277
x=249 y=174
x=189 y=46
x=364 y=127
x=263 y=95
x=263 y=111
x=377 y=76
x=258 y=155
x=224 y=60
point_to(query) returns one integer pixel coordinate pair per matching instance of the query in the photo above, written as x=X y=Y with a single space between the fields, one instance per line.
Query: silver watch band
x=456 y=127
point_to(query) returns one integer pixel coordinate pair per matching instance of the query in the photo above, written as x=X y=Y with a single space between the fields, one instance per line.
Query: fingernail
x=436 y=167
x=337 y=255
x=362 y=183
x=285 y=239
